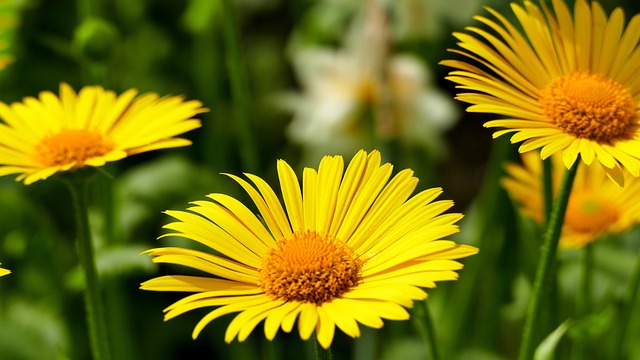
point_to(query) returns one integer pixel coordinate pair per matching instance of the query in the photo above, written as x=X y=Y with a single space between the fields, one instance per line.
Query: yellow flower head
x=568 y=85
x=597 y=207
x=44 y=136
x=351 y=248
x=4 y=272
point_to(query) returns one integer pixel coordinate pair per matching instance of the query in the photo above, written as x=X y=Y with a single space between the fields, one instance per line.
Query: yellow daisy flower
x=4 y=272
x=568 y=85
x=44 y=136
x=597 y=207
x=351 y=248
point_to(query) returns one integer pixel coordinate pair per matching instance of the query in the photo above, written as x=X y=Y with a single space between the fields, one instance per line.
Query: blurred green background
x=178 y=47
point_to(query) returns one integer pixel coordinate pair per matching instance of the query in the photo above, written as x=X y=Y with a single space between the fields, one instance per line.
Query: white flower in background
x=350 y=92
x=327 y=113
x=422 y=111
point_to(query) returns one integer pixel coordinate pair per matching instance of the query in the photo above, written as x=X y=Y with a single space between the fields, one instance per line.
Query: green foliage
x=96 y=39
x=547 y=348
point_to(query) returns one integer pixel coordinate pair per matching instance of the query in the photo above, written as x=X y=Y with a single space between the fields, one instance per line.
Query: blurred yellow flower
x=352 y=247
x=569 y=85
x=597 y=207
x=4 y=272
x=44 y=136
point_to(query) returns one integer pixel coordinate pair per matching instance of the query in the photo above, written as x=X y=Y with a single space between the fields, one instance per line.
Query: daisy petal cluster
x=347 y=247
x=50 y=134
x=566 y=84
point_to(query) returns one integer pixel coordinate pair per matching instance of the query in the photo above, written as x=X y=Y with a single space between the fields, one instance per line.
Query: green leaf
x=113 y=262
x=594 y=324
x=546 y=349
x=29 y=331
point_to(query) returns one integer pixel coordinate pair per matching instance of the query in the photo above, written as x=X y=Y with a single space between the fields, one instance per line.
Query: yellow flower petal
x=291 y=195
x=276 y=317
x=325 y=328
x=343 y=319
x=4 y=272
x=308 y=320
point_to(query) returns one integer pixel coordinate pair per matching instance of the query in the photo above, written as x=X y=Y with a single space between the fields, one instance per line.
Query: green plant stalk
x=93 y=302
x=87 y=8
x=321 y=353
x=427 y=330
x=551 y=316
x=630 y=301
x=547 y=187
x=546 y=263
x=583 y=302
x=239 y=87
x=271 y=350
x=207 y=76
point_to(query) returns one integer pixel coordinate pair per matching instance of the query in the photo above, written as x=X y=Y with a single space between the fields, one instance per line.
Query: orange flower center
x=309 y=267
x=71 y=146
x=590 y=213
x=589 y=106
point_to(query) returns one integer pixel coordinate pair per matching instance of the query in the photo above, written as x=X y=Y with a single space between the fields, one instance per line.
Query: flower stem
x=87 y=8
x=425 y=324
x=583 y=302
x=93 y=302
x=239 y=87
x=546 y=264
x=547 y=186
x=630 y=300
x=321 y=353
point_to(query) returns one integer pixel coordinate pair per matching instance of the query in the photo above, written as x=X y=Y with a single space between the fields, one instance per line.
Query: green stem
x=93 y=302
x=547 y=186
x=239 y=87
x=87 y=8
x=271 y=350
x=207 y=78
x=630 y=300
x=321 y=353
x=425 y=324
x=583 y=302
x=546 y=264
x=551 y=315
